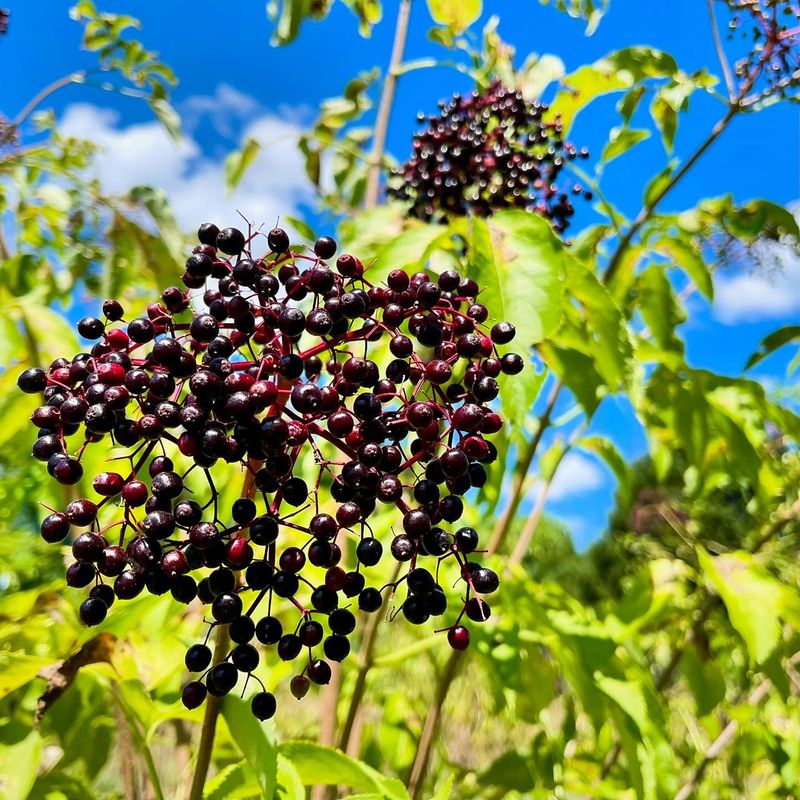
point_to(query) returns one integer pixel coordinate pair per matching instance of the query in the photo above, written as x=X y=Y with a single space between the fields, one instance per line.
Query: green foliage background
x=661 y=663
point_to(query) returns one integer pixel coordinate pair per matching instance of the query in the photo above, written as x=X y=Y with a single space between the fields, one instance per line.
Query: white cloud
x=226 y=105
x=750 y=297
x=143 y=153
x=576 y=475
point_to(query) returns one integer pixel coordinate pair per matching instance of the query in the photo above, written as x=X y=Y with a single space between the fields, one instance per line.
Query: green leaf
x=666 y=120
x=232 y=783
x=520 y=262
x=686 y=255
x=457 y=15
x=772 y=341
x=255 y=740
x=316 y=764
x=618 y=70
x=659 y=307
x=510 y=771
x=621 y=140
x=237 y=163
x=168 y=117
x=17 y=669
x=20 y=753
x=755 y=600
x=608 y=452
x=590 y=10
x=705 y=680
x=290 y=787
x=658 y=184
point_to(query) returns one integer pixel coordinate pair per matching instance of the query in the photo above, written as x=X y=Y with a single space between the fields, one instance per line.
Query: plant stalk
x=385 y=105
x=366 y=660
x=420 y=766
x=206 y=748
x=649 y=208
x=503 y=524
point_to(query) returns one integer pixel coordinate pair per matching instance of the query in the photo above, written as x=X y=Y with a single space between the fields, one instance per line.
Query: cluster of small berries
x=262 y=364
x=4 y=15
x=774 y=60
x=488 y=151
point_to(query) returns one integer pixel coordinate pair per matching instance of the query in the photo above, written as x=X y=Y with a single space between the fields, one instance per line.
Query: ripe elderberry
x=484 y=152
x=265 y=371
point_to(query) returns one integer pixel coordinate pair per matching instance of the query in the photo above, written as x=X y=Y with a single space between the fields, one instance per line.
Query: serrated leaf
x=316 y=764
x=255 y=740
x=238 y=162
x=621 y=140
x=520 y=262
x=457 y=15
x=231 y=783
x=619 y=70
x=755 y=600
x=290 y=787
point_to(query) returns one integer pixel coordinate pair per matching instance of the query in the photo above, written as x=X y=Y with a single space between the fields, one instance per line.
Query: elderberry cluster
x=773 y=26
x=262 y=365
x=4 y=15
x=488 y=151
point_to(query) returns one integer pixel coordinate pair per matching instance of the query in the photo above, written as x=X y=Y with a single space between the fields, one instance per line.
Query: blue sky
x=233 y=84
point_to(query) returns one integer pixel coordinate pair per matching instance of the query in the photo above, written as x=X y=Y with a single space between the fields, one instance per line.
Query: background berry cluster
x=484 y=152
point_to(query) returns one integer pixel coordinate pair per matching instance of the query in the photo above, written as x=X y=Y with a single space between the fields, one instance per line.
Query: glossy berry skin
x=193 y=694
x=458 y=638
x=263 y=705
x=319 y=672
x=221 y=679
x=93 y=611
x=230 y=241
x=267 y=369
x=198 y=657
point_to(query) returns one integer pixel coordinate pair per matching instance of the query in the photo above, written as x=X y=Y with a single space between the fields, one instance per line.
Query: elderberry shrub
x=262 y=363
x=484 y=152
x=772 y=66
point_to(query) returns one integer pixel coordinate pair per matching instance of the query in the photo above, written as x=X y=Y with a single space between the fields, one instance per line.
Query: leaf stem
x=386 y=103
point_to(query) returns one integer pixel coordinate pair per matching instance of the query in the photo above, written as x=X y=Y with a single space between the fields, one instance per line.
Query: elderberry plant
x=264 y=362
x=484 y=152
x=773 y=27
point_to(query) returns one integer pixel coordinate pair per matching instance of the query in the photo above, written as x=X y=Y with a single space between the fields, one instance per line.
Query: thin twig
x=366 y=656
x=723 y=60
x=720 y=743
x=649 y=208
x=420 y=766
x=385 y=105
x=771 y=530
x=30 y=106
x=503 y=524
